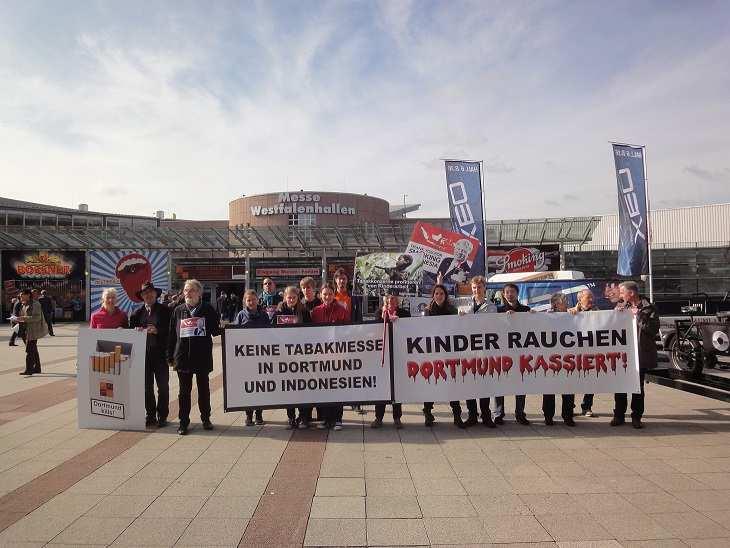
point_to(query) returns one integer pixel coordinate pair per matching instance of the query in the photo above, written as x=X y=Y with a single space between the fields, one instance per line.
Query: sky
x=137 y=106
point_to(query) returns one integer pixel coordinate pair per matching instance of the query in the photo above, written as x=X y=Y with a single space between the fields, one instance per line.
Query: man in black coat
x=47 y=306
x=190 y=351
x=511 y=304
x=647 y=326
x=154 y=318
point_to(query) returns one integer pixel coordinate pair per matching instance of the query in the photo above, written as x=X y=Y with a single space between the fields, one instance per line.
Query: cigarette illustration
x=108 y=362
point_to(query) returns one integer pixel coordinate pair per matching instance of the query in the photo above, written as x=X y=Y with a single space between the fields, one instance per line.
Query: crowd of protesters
x=180 y=327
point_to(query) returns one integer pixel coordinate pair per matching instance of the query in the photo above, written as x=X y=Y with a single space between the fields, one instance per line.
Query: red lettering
x=412 y=370
x=541 y=363
x=468 y=365
x=600 y=363
x=612 y=357
x=506 y=364
x=426 y=371
x=587 y=360
x=482 y=366
x=555 y=363
x=451 y=364
x=438 y=370
x=525 y=360
x=495 y=364
x=569 y=362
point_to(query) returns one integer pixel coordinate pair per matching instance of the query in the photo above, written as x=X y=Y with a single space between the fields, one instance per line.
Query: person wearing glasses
x=269 y=298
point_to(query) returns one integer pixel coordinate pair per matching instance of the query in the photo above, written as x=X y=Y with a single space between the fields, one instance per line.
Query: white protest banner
x=444 y=358
x=110 y=380
x=273 y=367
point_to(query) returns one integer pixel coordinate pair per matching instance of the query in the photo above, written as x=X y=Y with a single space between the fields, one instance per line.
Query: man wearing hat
x=154 y=319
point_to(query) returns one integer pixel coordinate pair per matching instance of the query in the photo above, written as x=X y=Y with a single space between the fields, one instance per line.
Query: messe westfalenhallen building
x=289 y=235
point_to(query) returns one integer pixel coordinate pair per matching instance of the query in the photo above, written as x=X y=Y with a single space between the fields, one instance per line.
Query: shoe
x=249 y=421
x=522 y=419
x=429 y=419
x=303 y=425
x=292 y=424
x=588 y=413
x=361 y=411
x=616 y=421
x=13 y=344
x=499 y=421
x=27 y=373
x=549 y=421
x=161 y=423
x=569 y=421
x=488 y=423
x=377 y=423
x=207 y=425
x=150 y=421
x=322 y=426
x=260 y=420
x=37 y=371
x=338 y=426
x=471 y=420
x=458 y=422
x=183 y=430
x=636 y=423
x=398 y=424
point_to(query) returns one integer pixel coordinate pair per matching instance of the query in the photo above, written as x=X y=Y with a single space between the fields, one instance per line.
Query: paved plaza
x=666 y=485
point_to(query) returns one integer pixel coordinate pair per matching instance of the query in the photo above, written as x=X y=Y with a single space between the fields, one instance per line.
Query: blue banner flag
x=464 y=187
x=633 y=247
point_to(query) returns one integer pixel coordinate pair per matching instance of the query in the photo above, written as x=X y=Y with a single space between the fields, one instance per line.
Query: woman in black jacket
x=440 y=305
x=193 y=325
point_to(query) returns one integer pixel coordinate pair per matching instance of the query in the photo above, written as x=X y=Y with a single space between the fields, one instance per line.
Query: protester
x=190 y=351
x=647 y=326
x=352 y=304
x=390 y=313
x=18 y=330
x=222 y=303
x=441 y=306
x=309 y=293
x=48 y=310
x=269 y=298
x=292 y=312
x=510 y=305
x=31 y=317
x=108 y=316
x=558 y=303
x=154 y=318
x=480 y=305
x=252 y=315
x=585 y=304
x=329 y=312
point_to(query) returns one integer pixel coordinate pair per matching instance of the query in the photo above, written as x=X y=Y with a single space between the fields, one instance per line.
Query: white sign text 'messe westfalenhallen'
x=302 y=365
x=296 y=203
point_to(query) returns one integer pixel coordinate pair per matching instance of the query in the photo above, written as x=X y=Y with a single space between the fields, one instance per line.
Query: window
x=32 y=219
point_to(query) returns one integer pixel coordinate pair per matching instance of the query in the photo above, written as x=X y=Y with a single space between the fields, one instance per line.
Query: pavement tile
x=121 y=506
x=664 y=543
x=552 y=503
x=241 y=487
x=340 y=487
x=97 y=484
x=573 y=527
x=394 y=470
x=456 y=531
x=676 y=482
x=429 y=470
x=705 y=500
x=500 y=505
x=723 y=542
x=515 y=529
x=338 y=507
x=214 y=532
x=405 y=506
x=93 y=530
x=446 y=507
x=632 y=527
x=143 y=486
x=69 y=504
x=153 y=531
x=336 y=532
x=396 y=532
x=174 y=507
x=602 y=503
x=229 y=507
x=590 y=544
x=389 y=487
x=35 y=527
x=438 y=486
x=352 y=469
x=656 y=503
x=691 y=524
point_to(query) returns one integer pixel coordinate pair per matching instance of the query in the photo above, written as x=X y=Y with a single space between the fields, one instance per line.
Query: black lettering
x=513 y=339
x=565 y=341
x=414 y=344
x=618 y=337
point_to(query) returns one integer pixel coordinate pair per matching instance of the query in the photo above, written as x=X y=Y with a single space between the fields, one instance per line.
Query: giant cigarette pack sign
x=445 y=252
x=446 y=358
x=110 y=383
x=126 y=271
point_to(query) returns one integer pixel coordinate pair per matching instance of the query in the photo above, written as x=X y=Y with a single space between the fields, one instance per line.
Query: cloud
x=722 y=175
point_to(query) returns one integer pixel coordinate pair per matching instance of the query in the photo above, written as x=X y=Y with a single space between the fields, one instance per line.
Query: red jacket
x=101 y=319
x=333 y=313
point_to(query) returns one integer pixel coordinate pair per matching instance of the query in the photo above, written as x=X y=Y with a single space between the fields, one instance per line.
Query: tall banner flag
x=464 y=187
x=633 y=247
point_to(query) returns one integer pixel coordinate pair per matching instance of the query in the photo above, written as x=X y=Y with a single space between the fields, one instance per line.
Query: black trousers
x=380 y=411
x=637 y=402
x=587 y=403
x=305 y=413
x=566 y=410
x=519 y=406
x=156 y=370
x=49 y=323
x=259 y=412
x=331 y=413
x=13 y=336
x=471 y=406
x=32 y=359
x=186 y=387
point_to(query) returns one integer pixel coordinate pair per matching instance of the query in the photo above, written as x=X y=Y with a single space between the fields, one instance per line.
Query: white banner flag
x=301 y=365
x=447 y=358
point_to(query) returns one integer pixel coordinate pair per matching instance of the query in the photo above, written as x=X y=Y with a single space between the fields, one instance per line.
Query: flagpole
x=648 y=226
x=484 y=218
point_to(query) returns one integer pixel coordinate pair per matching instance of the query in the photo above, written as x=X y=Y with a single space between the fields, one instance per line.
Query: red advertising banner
x=503 y=260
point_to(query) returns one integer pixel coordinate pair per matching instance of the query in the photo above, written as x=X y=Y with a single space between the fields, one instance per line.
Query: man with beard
x=154 y=318
x=190 y=350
